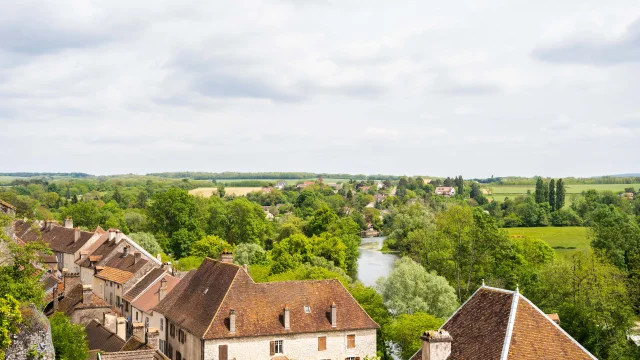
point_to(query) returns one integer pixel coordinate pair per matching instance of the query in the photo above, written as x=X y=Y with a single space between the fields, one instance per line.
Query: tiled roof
x=99 y=338
x=4 y=203
x=216 y=288
x=115 y=275
x=135 y=355
x=48 y=259
x=499 y=324
x=150 y=298
x=58 y=238
x=103 y=247
x=144 y=283
x=134 y=343
x=73 y=301
x=126 y=263
x=95 y=258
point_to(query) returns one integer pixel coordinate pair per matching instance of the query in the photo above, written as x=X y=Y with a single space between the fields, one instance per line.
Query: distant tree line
x=267 y=175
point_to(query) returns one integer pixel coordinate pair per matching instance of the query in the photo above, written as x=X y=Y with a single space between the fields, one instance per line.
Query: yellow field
x=235 y=191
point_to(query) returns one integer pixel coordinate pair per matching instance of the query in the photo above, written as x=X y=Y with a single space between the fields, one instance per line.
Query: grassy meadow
x=571 y=238
x=499 y=192
x=236 y=191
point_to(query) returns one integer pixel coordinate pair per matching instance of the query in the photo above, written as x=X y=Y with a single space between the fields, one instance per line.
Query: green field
x=499 y=192
x=289 y=181
x=567 y=237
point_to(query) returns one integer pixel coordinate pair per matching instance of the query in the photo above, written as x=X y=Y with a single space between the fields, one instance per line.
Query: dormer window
x=307 y=309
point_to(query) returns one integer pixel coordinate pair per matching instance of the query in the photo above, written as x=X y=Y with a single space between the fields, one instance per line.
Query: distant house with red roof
x=446 y=190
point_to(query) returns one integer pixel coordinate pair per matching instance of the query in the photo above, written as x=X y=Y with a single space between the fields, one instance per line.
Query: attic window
x=206 y=290
x=307 y=309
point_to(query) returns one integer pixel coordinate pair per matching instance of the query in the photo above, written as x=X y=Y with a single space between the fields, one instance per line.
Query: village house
x=68 y=244
x=446 y=190
x=7 y=208
x=499 y=324
x=280 y=185
x=305 y=184
x=144 y=296
x=82 y=305
x=218 y=312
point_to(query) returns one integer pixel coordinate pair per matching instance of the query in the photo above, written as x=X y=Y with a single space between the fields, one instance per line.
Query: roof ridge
x=356 y=301
x=298 y=281
x=223 y=298
x=510 y=324
x=558 y=327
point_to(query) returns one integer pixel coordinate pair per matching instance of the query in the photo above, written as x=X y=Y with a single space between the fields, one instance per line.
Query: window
x=223 y=352
x=163 y=346
x=276 y=347
x=178 y=355
x=322 y=343
x=161 y=324
x=182 y=336
x=118 y=301
x=307 y=309
x=111 y=299
x=351 y=341
x=136 y=315
x=146 y=322
x=169 y=351
x=172 y=330
x=126 y=306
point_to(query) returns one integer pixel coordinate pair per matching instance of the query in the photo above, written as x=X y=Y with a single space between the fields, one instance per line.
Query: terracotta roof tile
x=134 y=343
x=58 y=238
x=115 y=275
x=150 y=298
x=73 y=301
x=99 y=338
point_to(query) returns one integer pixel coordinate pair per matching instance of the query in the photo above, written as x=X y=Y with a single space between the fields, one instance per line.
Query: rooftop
x=115 y=275
x=134 y=355
x=100 y=338
x=73 y=301
x=58 y=238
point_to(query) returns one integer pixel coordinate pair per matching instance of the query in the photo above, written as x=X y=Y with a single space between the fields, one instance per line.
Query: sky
x=476 y=88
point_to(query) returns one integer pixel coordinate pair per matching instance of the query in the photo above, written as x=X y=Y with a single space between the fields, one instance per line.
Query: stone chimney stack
x=436 y=345
x=76 y=234
x=121 y=328
x=163 y=289
x=87 y=291
x=112 y=234
x=48 y=224
x=137 y=255
x=118 y=236
x=226 y=257
x=334 y=315
x=287 y=318
x=232 y=321
x=109 y=321
x=138 y=330
x=153 y=338
x=68 y=222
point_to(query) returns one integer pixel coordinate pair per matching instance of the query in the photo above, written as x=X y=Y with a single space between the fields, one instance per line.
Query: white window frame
x=278 y=344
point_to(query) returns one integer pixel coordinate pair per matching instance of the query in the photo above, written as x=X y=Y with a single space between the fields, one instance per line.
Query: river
x=372 y=263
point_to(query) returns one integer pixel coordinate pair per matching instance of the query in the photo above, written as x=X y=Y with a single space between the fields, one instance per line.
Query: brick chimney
x=68 y=222
x=121 y=328
x=138 y=330
x=226 y=257
x=137 y=255
x=163 y=289
x=334 y=315
x=87 y=291
x=436 y=345
x=287 y=318
x=232 y=321
x=153 y=338
x=118 y=236
x=76 y=234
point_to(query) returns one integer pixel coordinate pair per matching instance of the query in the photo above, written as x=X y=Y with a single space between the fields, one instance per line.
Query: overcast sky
x=477 y=88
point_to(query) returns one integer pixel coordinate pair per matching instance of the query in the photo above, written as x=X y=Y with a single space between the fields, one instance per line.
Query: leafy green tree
x=134 y=220
x=540 y=191
x=552 y=194
x=246 y=222
x=210 y=246
x=182 y=241
x=615 y=235
x=147 y=241
x=174 y=215
x=410 y=288
x=10 y=317
x=320 y=221
x=560 y=194
x=371 y=301
x=69 y=340
x=85 y=214
x=405 y=331
x=249 y=254
x=189 y=263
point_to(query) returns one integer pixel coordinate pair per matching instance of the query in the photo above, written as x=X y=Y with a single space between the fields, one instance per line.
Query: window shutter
x=357 y=358
x=272 y=348
x=351 y=341
x=322 y=343
x=223 y=353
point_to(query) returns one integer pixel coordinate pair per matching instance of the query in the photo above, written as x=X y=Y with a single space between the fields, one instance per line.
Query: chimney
x=138 y=330
x=153 y=338
x=232 y=321
x=87 y=291
x=121 y=328
x=287 y=318
x=68 y=222
x=158 y=257
x=125 y=251
x=48 y=224
x=109 y=322
x=334 y=315
x=76 y=234
x=112 y=234
x=136 y=257
x=226 y=257
x=118 y=236
x=163 y=289
x=436 y=345
x=55 y=298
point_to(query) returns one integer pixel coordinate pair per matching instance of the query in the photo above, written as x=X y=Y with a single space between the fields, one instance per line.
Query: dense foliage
x=69 y=340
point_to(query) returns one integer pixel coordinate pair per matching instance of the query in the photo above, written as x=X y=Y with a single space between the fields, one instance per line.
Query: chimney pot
x=287 y=318
x=153 y=338
x=87 y=291
x=163 y=289
x=334 y=315
x=436 y=345
x=232 y=321
x=76 y=234
x=118 y=236
x=112 y=234
x=226 y=257
x=138 y=330
x=68 y=222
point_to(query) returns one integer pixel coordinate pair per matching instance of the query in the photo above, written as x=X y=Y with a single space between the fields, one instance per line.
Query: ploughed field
x=564 y=240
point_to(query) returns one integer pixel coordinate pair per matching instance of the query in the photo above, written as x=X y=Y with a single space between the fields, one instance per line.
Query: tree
x=69 y=340
x=246 y=222
x=372 y=303
x=171 y=212
x=249 y=254
x=147 y=241
x=615 y=235
x=475 y=190
x=210 y=246
x=560 y=194
x=10 y=317
x=221 y=190
x=410 y=288
x=134 y=220
x=405 y=331
x=460 y=185
x=540 y=191
x=552 y=194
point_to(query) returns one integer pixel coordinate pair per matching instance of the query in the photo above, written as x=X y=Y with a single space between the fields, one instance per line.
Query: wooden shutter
x=322 y=343
x=351 y=341
x=223 y=352
x=272 y=348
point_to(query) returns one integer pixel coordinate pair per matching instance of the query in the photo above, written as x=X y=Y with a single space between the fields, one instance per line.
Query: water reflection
x=373 y=264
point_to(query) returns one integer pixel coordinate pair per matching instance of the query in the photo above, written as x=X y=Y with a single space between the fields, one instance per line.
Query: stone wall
x=35 y=333
x=84 y=316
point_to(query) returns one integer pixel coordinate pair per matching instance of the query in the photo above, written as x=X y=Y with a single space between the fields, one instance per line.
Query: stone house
x=229 y=316
x=499 y=324
x=82 y=305
x=7 y=208
x=144 y=296
x=446 y=190
x=67 y=243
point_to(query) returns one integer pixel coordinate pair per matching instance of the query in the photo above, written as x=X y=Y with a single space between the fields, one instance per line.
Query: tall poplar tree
x=560 y=193
x=540 y=198
x=552 y=194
